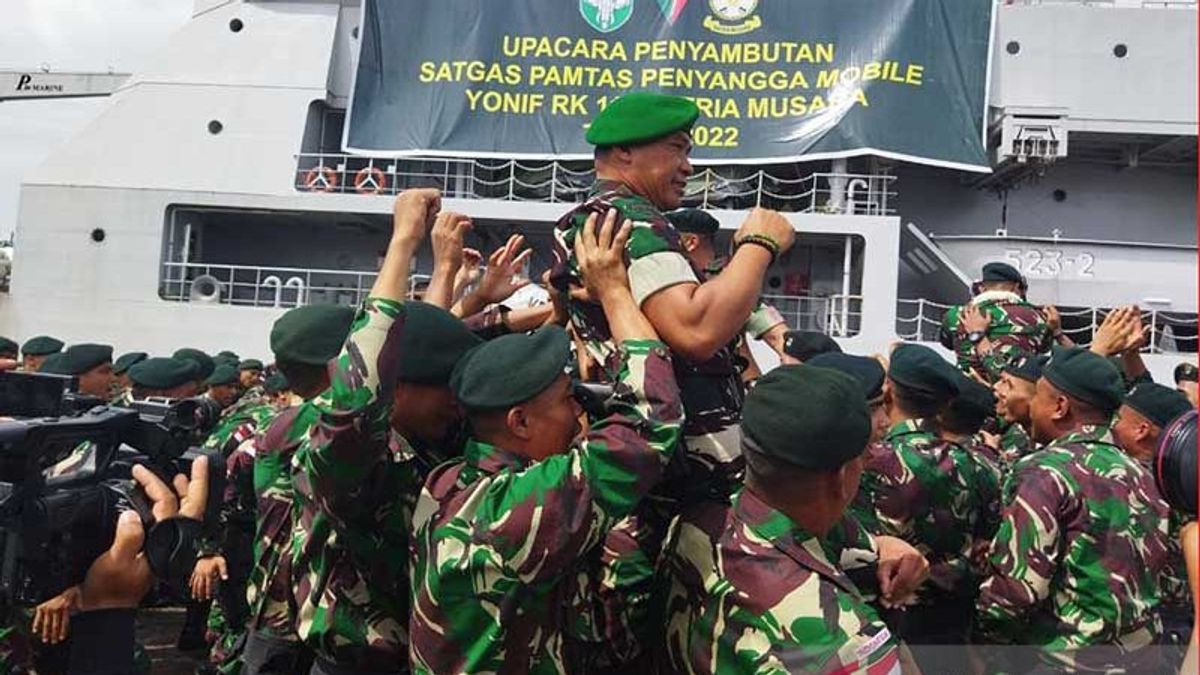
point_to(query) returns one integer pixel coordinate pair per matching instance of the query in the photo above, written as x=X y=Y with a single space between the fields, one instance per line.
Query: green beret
x=78 y=359
x=1085 y=376
x=974 y=400
x=8 y=346
x=41 y=346
x=921 y=369
x=163 y=373
x=1157 y=403
x=204 y=363
x=126 y=360
x=641 y=116
x=998 y=271
x=866 y=370
x=1028 y=367
x=805 y=344
x=276 y=383
x=230 y=361
x=433 y=343
x=814 y=418
x=250 y=364
x=227 y=355
x=222 y=375
x=53 y=365
x=511 y=369
x=311 y=335
x=694 y=221
x=1186 y=372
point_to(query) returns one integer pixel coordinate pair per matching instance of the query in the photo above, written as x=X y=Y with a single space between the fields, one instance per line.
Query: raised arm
x=696 y=320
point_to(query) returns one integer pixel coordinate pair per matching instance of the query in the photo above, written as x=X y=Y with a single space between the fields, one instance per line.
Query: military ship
x=214 y=191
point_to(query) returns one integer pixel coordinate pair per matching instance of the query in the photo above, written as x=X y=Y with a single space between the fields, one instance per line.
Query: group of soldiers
x=609 y=484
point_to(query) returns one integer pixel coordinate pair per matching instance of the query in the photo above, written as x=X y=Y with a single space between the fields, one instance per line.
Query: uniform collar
x=992 y=297
x=905 y=427
x=772 y=525
x=606 y=186
x=491 y=459
x=1088 y=433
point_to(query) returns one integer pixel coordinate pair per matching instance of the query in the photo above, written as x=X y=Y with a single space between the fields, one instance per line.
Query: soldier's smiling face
x=1013 y=396
x=658 y=170
x=550 y=421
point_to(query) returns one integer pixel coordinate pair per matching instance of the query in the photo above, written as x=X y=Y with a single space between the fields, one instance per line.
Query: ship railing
x=837 y=315
x=730 y=187
x=283 y=287
x=1167 y=332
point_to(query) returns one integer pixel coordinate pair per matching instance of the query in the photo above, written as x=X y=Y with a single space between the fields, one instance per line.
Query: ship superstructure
x=213 y=193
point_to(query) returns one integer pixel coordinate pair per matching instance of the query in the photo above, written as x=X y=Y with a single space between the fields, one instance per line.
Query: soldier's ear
x=518 y=423
x=1062 y=407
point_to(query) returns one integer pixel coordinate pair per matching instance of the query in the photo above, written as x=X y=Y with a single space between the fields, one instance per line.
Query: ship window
x=1013 y=47
x=1120 y=51
x=98 y=235
x=236 y=25
x=215 y=127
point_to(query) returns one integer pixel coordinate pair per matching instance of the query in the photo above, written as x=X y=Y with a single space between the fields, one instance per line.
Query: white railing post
x=707 y=178
x=1152 y=347
x=920 y=318
x=553 y=180
x=512 y=179
x=758 y=196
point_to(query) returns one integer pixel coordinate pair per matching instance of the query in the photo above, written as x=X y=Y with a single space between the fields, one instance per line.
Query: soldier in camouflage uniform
x=760 y=585
x=303 y=341
x=1014 y=392
x=1147 y=411
x=1186 y=376
x=697 y=236
x=934 y=495
x=1074 y=567
x=378 y=430
x=123 y=386
x=502 y=536
x=997 y=327
x=642 y=145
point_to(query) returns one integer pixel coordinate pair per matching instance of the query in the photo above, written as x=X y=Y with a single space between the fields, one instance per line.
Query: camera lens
x=1175 y=463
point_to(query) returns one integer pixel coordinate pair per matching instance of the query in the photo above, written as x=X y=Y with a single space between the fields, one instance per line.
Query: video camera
x=1175 y=464
x=65 y=476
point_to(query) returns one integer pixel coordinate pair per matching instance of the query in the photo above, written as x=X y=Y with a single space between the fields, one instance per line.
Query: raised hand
x=601 y=255
x=768 y=223
x=413 y=214
x=975 y=320
x=502 y=277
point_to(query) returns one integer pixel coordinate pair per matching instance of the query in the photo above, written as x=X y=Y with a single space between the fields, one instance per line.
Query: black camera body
x=1175 y=463
x=65 y=476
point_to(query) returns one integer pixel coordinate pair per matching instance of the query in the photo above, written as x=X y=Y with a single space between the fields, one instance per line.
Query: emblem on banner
x=671 y=9
x=732 y=17
x=606 y=15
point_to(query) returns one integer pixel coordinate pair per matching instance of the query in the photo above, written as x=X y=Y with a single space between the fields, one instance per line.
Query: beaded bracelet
x=760 y=240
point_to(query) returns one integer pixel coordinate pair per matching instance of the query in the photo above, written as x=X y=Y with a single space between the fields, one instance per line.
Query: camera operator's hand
x=121 y=576
x=206 y=575
x=52 y=618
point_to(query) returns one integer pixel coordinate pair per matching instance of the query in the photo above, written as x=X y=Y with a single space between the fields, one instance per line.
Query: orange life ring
x=321 y=179
x=370 y=180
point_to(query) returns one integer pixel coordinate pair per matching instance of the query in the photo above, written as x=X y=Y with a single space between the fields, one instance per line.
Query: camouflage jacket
x=239 y=422
x=235 y=430
x=1017 y=328
x=751 y=592
x=935 y=496
x=1015 y=443
x=500 y=542
x=355 y=483
x=1078 y=555
x=712 y=391
x=270 y=591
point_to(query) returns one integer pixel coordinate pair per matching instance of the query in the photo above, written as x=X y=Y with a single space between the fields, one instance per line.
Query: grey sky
x=87 y=35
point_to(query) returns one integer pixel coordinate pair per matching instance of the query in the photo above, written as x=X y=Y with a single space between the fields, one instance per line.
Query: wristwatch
x=975 y=336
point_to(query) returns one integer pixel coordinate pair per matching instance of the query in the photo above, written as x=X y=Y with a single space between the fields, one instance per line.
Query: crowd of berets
x=605 y=483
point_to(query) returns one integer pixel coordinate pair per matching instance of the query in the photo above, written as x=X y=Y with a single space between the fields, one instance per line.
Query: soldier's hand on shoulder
x=975 y=320
x=768 y=223
x=601 y=255
x=413 y=213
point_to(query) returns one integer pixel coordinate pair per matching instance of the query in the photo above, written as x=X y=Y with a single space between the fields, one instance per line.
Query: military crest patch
x=606 y=15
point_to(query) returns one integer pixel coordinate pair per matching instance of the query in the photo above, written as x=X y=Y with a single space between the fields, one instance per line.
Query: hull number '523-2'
x=1050 y=263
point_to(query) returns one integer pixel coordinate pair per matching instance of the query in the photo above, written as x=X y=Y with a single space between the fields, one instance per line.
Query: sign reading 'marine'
x=775 y=80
